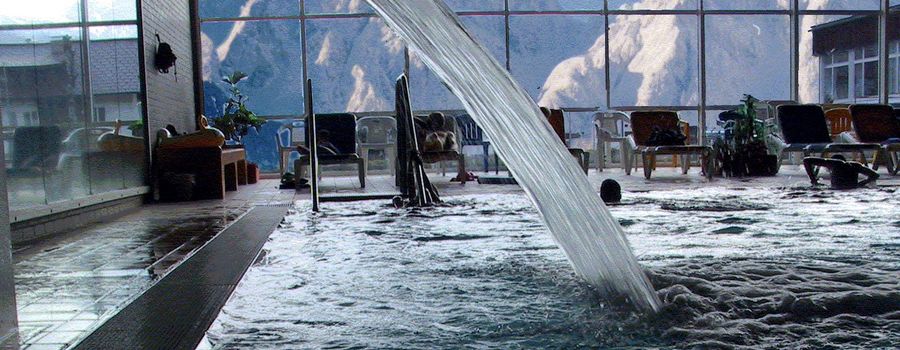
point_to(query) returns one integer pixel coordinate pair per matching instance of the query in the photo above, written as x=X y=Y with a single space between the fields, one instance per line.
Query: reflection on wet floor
x=65 y=289
x=68 y=288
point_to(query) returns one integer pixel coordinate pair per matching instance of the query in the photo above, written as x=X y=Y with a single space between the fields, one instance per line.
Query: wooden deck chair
x=643 y=124
x=558 y=121
x=804 y=129
x=878 y=124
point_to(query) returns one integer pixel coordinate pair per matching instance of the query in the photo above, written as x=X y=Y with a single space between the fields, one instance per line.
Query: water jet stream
x=580 y=223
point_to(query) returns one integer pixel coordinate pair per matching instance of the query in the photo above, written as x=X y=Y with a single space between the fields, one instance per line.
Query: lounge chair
x=378 y=133
x=609 y=127
x=804 y=129
x=558 y=122
x=341 y=130
x=839 y=122
x=877 y=124
x=470 y=134
x=642 y=127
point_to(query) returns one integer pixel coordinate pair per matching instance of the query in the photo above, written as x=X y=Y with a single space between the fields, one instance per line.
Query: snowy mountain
x=560 y=60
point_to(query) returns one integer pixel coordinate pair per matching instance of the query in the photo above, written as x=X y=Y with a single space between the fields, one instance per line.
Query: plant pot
x=252 y=173
x=766 y=165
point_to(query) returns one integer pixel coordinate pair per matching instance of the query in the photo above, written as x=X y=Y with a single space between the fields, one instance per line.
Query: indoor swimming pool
x=734 y=268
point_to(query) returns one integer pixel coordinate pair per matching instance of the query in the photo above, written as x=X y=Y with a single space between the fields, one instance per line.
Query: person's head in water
x=610 y=191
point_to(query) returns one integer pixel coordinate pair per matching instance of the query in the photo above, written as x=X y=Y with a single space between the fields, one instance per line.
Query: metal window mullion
x=303 y=53
x=795 y=50
x=701 y=112
x=884 y=53
x=607 y=80
x=506 y=36
x=86 y=79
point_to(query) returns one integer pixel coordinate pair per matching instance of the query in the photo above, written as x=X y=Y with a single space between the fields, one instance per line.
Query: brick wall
x=169 y=101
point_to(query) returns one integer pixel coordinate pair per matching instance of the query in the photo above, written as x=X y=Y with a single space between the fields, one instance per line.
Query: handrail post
x=313 y=148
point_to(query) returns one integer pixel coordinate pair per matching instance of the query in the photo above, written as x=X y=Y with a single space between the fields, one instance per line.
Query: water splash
x=576 y=217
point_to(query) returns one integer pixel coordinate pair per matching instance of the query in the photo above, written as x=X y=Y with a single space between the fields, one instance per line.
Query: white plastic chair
x=294 y=138
x=609 y=127
x=377 y=133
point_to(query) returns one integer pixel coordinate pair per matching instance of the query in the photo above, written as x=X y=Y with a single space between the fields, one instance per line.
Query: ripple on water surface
x=736 y=269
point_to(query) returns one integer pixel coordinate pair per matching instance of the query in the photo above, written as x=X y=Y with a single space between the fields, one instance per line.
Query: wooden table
x=216 y=170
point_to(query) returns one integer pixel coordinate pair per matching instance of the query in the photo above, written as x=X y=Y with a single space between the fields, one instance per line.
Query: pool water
x=735 y=268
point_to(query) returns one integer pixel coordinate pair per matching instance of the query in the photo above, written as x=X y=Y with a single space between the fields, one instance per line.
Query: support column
x=8 y=323
x=884 y=47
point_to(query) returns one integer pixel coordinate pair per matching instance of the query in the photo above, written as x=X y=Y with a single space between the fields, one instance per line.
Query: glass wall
x=70 y=100
x=698 y=57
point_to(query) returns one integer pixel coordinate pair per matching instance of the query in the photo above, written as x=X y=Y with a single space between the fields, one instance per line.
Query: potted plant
x=743 y=150
x=238 y=119
x=137 y=128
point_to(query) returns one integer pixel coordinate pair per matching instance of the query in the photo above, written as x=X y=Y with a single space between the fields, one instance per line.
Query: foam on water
x=812 y=270
x=576 y=217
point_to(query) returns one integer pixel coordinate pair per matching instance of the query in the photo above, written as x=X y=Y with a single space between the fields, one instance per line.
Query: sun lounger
x=644 y=123
x=804 y=129
x=879 y=125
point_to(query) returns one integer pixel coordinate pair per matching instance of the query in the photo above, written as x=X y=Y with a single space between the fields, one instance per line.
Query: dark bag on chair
x=660 y=137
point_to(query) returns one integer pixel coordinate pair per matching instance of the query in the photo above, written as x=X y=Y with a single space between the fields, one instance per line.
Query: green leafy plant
x=137 y=125
x=238 y=119
x=744 y=149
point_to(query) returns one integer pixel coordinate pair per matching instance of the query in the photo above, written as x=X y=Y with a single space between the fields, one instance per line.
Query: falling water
x=578 y=220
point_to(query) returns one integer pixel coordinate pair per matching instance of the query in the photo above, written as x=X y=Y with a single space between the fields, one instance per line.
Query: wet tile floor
x=68 y=286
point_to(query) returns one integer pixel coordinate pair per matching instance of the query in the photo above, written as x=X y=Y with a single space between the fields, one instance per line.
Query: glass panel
x=337 y=6
x=653 y=60
x=247 y=8
x=652 y=5
x=269 y=52
x=559 y=73
x=745 y=5
x=116 y=87
x=560 y=5
x=840 y=4
x=427 y=91
x=111 y=10
x=841 y=83
x=475 y=5
x=580 y=130
x=892 y=73
x=894 y=53
x=870 y=81
x=747 y=55
x=841 y=56
x=353 y=64
x=822 y=36
x=43 y=107
x=262 y=147
x=871 y=51
x=828 y=85
x=714 y=128
x=858 y=80
x=40 y=12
